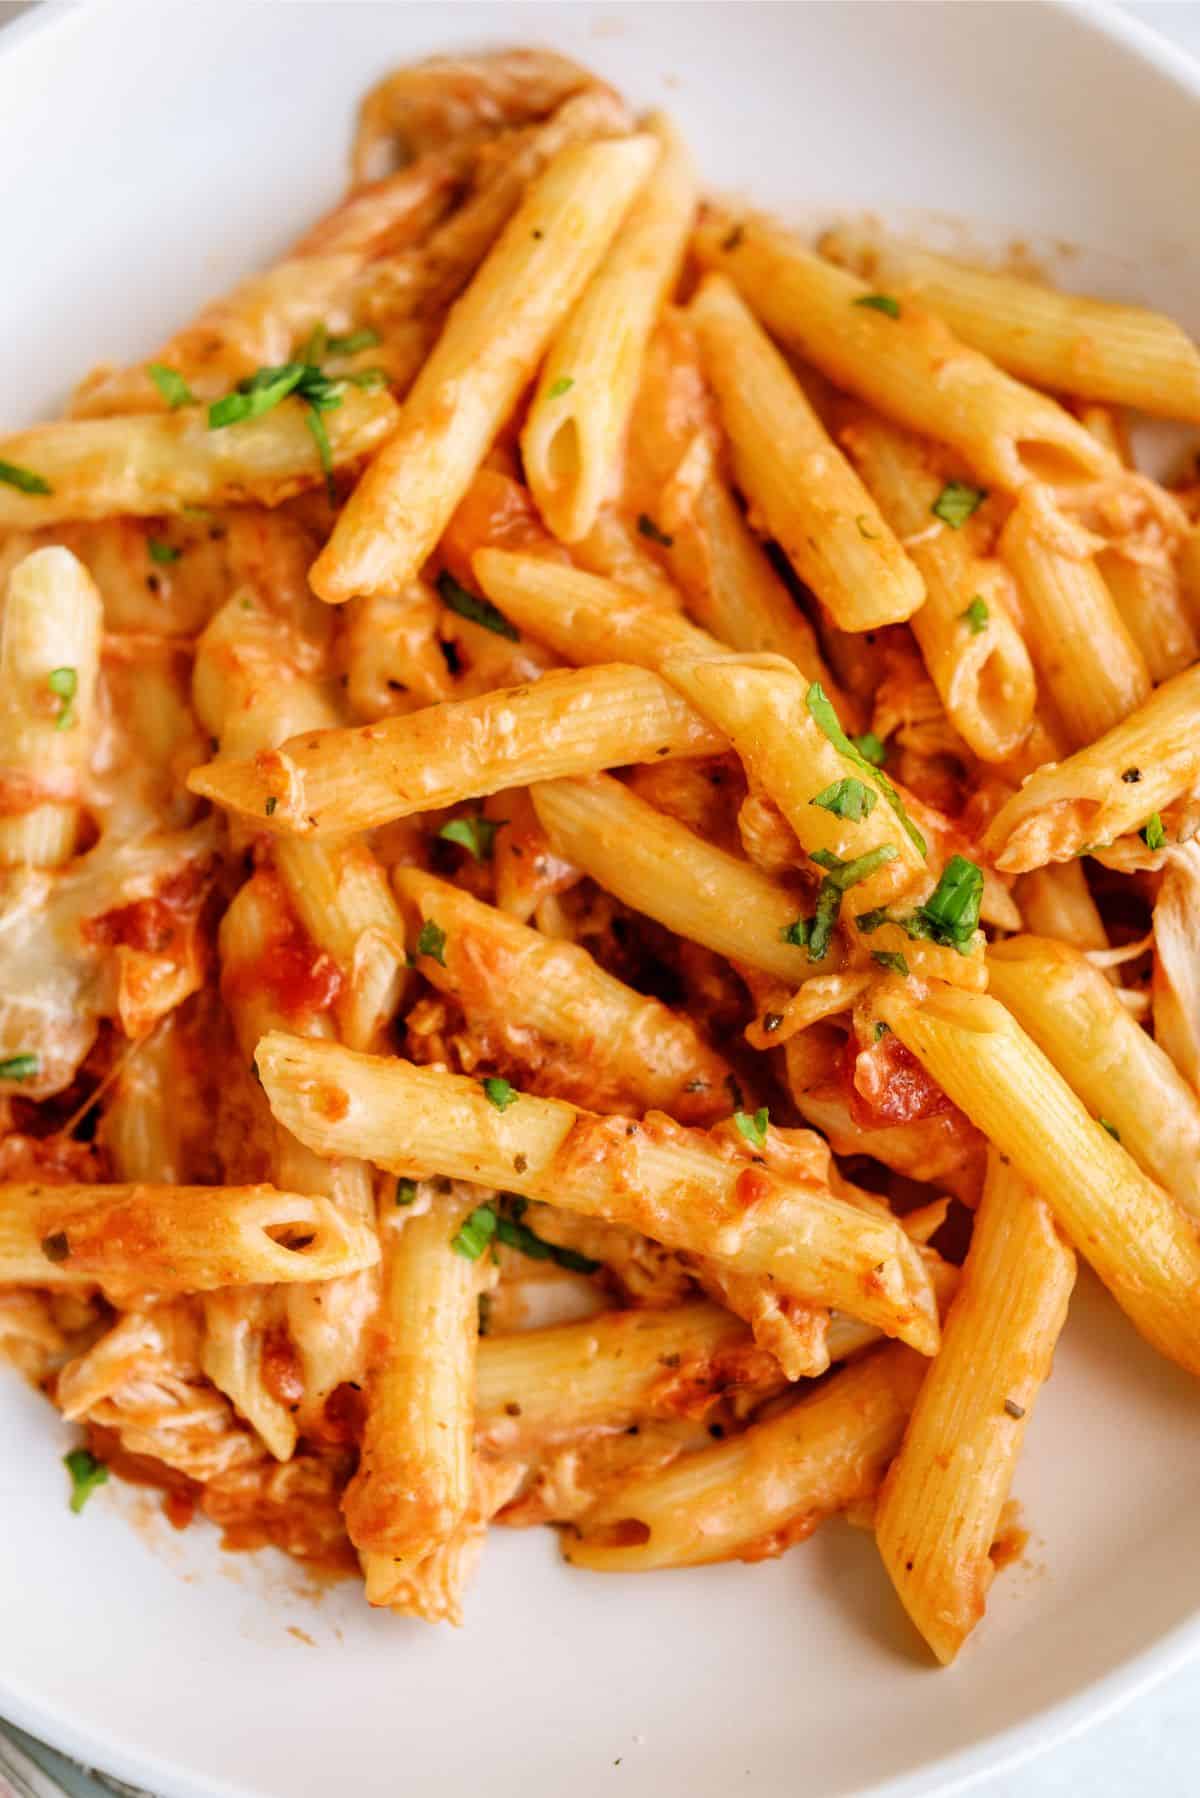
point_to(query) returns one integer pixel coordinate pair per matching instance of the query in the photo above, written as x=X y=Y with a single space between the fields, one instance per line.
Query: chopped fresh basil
x=890 y=959
x=880 y=1030
x=162 y=553
x=847 y=798
x=797 y=933
x=431 y=941
x=475 y=833
x=475 y=1233
x=1153 y=833
x=952 y=909
x=171 y=385
x=320 y=436
x=352 y=343
x=844 y=875
x=648 y=528
x=976 y=615
x=86 y=1474
x=479 y=611
x=825 y=717
x=499 y=1093
x=517 y=1235
x=956 y=502
x=754 y=1129
x=20 y=1067
x=563 y=385
x=406 y=1191
x=873 y=749
x=880 y=302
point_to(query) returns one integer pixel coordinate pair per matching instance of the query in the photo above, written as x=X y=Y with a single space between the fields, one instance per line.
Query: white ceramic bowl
x=151 y=155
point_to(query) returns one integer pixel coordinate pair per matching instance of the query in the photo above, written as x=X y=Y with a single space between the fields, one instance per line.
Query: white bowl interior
x=153 y=154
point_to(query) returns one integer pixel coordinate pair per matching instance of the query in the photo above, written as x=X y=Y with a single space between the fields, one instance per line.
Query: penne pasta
x=413 y=1483
x=147 y=465
x=1138 y=768
x=939 y=1511
x=763 y=1491
x=1068 y=342
x=49 y=662
x=142 y=1238
x=679 y=1186
x=665 y=870
x=794 y=476
x=490 y=346
x=1056 y=902
x=341 y=896
x=904 y=362
x=971 y=646
x=1176 y=974
x=566 y=723
x=1143 y=1246
x=761 y=704
x=574 y=434
x=542 y=1006
x=1092 y=667
x=1122 y=1075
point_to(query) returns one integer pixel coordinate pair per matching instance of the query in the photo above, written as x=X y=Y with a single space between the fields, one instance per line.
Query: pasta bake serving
x=599 y=883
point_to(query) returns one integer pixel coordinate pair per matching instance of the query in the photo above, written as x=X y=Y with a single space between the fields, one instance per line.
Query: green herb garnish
x=475 y=1233
x=479 y=611
x=976 y=615
x=1153 y=832
x=24 y=479
x=476 y=834
x=406 y=1191
x=431 y=941
x=956 y=502
x=20 y=1067
x=64 y=684
x=873 y=749
x=754 y=1129
x=162 y=553
x=825 y=717
x=352 y=342
x=516 y=1235
x=563 y=385
x=1111 y=1128
x=847 y=798
x=891 y=959
x=499 y=1093
x=171 y=385
x=880 y=302
x=86 y=1474
x=950 y=915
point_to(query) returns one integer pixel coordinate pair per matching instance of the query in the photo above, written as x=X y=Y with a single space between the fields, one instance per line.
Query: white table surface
x=1152 y=1747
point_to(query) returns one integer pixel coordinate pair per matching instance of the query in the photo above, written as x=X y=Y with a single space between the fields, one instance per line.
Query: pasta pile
x=600 y=891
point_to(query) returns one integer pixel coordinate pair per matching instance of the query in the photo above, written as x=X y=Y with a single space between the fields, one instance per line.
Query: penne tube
x=762 y=704
x=971 y=646
x=1150 y=602
x=546 y=1008
x=683 y=1188
x=166 y=1239
x=149 y=465
x=413 y=1483
x=489 y=347
x=761 y=1492
x=256 y=678
x=341 y=896
x=1068 y=342
x=1189 y=576
x=939 y=1511
x=610 y=1371
x=795 y=477
x=584 y=617
x=1139 y=767
x=566 y=723
x=664 y=870
x=246 y=1345
x=430 y=1583
x=1176 y=977
x=1056 y=902
x=910 y=366
x=1143 y=1246
x=1122 y=1075
x=1092 y=667
x=49 y=660
x=575 y=430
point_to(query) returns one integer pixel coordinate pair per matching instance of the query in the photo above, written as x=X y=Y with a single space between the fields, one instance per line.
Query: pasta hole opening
x=995 y=691
x=563 y=454
x=623 y=1532
x=294 y=1237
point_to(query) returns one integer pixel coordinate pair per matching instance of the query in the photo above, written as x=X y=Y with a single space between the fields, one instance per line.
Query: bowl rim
x=1002 y=1750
